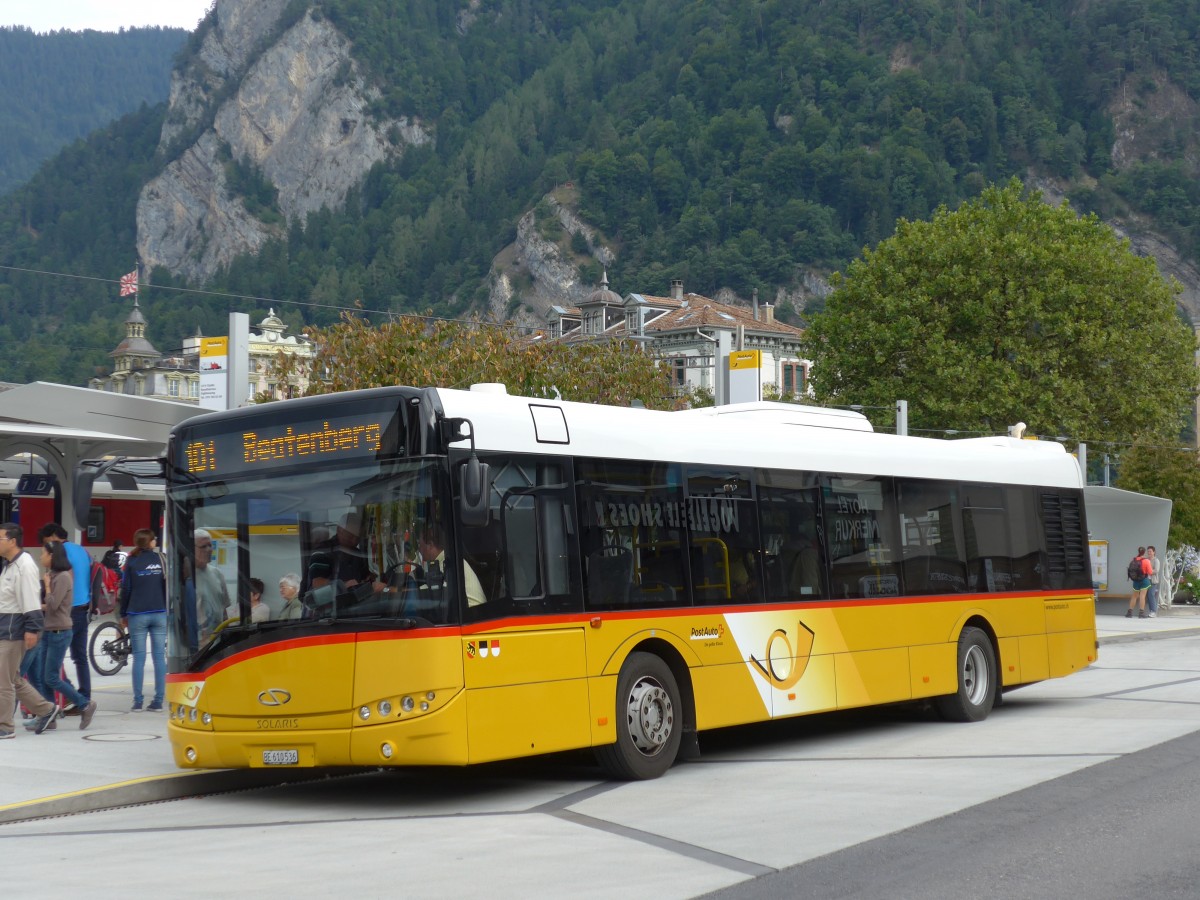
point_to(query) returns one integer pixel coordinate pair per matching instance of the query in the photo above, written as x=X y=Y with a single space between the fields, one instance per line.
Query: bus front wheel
x=977 y=675
x=648 y=720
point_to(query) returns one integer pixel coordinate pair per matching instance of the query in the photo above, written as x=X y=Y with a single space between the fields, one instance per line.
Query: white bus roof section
x=788 y=414
x=750 y=437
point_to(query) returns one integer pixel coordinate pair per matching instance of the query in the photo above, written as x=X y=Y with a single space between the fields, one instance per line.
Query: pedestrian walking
x=58 y=592
x=1139 y=573
x=81 y=573
x=1157 y=571
x=144 y=614
x=20 y=630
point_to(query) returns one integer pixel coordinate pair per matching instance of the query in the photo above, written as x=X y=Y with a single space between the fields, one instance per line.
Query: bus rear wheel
x=648 y=720
x=977 y=677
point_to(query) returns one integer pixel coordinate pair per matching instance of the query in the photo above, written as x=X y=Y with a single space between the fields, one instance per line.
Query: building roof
x=701 y=312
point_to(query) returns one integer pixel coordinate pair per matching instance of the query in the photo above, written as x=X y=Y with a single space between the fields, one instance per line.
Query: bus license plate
x=281 y=757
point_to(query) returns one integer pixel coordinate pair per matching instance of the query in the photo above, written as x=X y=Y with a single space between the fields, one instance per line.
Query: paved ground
x=124 y=757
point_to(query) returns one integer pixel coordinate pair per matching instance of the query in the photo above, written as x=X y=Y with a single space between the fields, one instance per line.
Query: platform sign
x=40 y=485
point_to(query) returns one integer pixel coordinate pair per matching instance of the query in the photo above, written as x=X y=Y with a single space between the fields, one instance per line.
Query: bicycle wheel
x=109 y=649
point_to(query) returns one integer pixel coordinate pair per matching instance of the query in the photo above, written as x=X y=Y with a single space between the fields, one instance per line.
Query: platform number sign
x=36 y=485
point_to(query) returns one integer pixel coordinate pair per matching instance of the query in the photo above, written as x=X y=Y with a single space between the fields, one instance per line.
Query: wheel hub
x=651 y=716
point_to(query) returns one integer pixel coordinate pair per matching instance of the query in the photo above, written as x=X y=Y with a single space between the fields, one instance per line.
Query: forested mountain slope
x=736 y=144
x=58 y=87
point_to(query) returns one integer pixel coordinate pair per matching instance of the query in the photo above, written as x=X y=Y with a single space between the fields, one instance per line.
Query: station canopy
x=63 y=425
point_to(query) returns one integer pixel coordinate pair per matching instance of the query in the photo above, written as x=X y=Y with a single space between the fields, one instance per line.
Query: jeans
x=57 y=643
x=1152 y=598
x=153 y=625
x=31 y=668
x=79 y=654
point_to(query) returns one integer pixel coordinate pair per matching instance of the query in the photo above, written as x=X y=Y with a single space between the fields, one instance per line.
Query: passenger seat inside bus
x=609 y=576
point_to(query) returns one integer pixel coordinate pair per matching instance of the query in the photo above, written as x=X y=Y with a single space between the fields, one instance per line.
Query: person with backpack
x=144 y=614
x=1138 y=571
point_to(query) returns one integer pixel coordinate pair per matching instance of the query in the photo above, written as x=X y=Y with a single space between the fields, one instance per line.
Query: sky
x=102 y=15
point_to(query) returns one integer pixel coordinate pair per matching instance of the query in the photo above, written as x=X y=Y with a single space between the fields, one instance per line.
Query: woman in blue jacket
x=144 y=614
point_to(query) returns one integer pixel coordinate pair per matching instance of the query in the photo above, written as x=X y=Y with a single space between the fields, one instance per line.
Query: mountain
x=497 y=156
x=56 y=88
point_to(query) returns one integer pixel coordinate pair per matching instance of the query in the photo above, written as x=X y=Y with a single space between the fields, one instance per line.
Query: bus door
x=524 y=662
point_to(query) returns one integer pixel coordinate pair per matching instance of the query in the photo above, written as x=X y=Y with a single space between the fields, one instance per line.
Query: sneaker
x=1154 y=615
x=44 y=722
x=1141 y=615
x=72 y=710
x=31 y=724
x=1129 y=613
x=85 y=717
x=137 y=706
x=155 y=706
x=5 y=735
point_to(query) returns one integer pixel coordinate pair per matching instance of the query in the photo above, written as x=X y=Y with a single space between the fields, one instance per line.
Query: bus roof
x=766 y=435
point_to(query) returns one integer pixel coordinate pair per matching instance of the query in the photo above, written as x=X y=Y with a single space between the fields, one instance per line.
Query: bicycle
x=109 y=648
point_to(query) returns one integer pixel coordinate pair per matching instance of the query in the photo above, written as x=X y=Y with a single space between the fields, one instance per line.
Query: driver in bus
x=431 y=546
x=350 y=565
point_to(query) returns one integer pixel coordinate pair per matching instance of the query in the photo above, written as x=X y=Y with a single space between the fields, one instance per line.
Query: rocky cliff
x=284 y=99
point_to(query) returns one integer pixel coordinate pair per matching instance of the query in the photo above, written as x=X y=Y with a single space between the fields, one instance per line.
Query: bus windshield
x=308 y=550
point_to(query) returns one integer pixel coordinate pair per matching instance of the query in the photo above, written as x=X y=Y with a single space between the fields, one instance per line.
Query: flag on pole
x=129 y=283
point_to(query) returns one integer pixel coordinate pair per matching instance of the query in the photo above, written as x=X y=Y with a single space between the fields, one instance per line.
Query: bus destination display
x=264 y=446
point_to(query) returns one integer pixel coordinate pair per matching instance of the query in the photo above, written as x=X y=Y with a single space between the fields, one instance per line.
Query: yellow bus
x=471 y=576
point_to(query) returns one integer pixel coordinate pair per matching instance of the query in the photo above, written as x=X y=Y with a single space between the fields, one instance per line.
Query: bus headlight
x=385 y=707
x=364 y=712
x=407 y=704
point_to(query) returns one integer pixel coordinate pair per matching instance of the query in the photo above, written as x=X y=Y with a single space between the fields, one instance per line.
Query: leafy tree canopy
x=1167 y=472
x=1005 y=310
x=416 y=350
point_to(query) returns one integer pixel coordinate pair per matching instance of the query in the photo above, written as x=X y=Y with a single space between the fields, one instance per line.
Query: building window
x=678 y=368
x=194 y=389
x=173 y=387
x=794 y=379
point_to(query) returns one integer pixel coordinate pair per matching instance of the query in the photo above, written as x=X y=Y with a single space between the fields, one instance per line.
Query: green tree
x=1170 y=472
x=419 y=351
x=1008 y=310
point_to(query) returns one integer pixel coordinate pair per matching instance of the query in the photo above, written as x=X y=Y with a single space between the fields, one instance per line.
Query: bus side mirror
x=84 y=479
x=473 y=486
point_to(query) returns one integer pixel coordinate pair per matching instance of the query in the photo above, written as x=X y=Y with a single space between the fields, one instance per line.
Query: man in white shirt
x=20 y=629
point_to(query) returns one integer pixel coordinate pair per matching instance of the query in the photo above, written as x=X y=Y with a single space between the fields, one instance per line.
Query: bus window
x=525 y=556
x=861 y=524
x=930 y=543
x=986 y=536
x=727 y=564
x=789 y=506
x=632 y=524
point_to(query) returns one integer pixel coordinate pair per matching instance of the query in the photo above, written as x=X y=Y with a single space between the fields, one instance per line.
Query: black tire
x=649 y=721
x=977 y=680
x=109 y=649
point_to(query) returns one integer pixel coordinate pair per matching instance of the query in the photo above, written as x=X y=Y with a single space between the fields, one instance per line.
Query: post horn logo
x=274 y=697
x=783 y=666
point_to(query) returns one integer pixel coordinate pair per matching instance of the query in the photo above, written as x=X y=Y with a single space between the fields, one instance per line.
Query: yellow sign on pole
x=745 y=376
